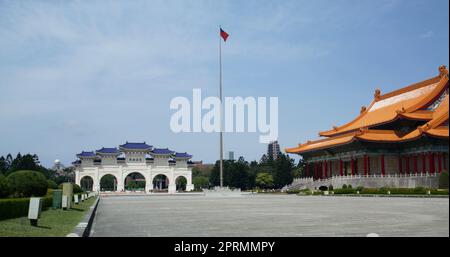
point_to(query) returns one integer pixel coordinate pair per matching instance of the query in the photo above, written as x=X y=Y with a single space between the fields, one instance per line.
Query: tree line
x=268 y=173
x=10 y=164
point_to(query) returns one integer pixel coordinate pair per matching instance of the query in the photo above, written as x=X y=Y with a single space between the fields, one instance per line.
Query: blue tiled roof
x=86 y=154
x=137 y=146
x=183 y=155
x=108 y=150
x=162 y=151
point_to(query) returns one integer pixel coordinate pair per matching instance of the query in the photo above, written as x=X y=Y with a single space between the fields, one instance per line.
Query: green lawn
x=52 y=222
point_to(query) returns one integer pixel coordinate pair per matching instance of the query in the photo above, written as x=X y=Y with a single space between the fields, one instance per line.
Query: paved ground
x=270 y=215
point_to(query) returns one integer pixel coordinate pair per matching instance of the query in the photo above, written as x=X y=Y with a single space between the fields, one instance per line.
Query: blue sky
x=85 y=74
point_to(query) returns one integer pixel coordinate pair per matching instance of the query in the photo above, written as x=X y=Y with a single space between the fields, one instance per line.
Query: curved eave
x=321 y=144
x=393 y=115
x=438 y=132
x=418 y=115
x=136 y=150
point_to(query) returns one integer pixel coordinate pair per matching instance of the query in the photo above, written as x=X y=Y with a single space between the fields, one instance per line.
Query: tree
x=283 y=174
x=52 y=184
x=264 y=180
x=4 y=187
x=3 y=165
x=200 y=182
x=26 y=183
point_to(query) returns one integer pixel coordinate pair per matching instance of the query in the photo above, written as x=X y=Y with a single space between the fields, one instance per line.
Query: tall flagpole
x=221 y=127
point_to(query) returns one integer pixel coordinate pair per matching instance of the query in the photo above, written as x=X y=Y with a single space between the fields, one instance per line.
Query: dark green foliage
x=181 y=183
x=344 y=186
x=26 y=183
x=443 y=180
x=359 y=188
x=344 y=191
x=241 y=174
x=52 y=184
x=77 y=189
x=264 y=180
x=108 y=183
x=4 y=187
x=293 y=191
x=23 y=162
x=18 y=207
x=200 y=182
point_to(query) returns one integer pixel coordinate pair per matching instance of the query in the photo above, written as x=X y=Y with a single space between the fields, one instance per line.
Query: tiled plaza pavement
x=270 y=215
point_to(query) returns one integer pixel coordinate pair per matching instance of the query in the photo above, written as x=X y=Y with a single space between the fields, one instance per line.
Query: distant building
x=58 y=166
x=273 y=150
x=231 y=155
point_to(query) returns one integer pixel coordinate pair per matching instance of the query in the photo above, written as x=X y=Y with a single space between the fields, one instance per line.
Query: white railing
x=300 y=183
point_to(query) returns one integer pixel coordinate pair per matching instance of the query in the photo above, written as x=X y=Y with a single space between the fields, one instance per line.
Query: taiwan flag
x=223 y=34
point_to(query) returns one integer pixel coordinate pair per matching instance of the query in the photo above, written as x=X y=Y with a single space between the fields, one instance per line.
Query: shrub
x=359 y=188
x=439 y=192
x=344 y=191
x=330 y=187
x=18 y=207
x=370 y=191
x=13 y=208
x=344 y=186
x=52 y=184
x=4 y=187
x=349 y=186
x=443 y=180
x=26 y=183
x=77 y=189
x=293 y=191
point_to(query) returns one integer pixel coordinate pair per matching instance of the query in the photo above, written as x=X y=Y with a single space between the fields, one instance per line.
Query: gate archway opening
x=108 y=183
x=135 y=181
x=161 y=183
x=181 y=182
x=87 y=183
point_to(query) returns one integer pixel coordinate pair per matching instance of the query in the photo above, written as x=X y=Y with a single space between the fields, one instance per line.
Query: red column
x=331 y=169
x=368 y=165
x=307 y=169
x=424 y=164
x=383 y=169
x=407 y=164
x=352 y=163
x=365 y=165
x=415 y=164
x=341 y=168
x=400 y=164
x=439 y=162
x=431 y=156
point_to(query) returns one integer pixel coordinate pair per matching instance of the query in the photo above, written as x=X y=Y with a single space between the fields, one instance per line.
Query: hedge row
x=393 y=191
x=18 y=207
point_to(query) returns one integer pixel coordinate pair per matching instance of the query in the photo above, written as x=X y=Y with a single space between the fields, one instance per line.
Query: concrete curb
x=83 y=228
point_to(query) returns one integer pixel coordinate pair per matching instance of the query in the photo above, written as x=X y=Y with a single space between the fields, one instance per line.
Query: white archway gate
x=148 y=172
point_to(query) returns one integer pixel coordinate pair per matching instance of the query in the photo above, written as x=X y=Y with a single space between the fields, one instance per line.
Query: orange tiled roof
x=403 y=102
x=434 y=127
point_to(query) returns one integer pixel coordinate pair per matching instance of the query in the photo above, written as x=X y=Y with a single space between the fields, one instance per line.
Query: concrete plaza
x=270 y=215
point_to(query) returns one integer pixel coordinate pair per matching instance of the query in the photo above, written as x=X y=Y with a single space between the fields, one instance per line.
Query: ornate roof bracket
x=443 y=71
